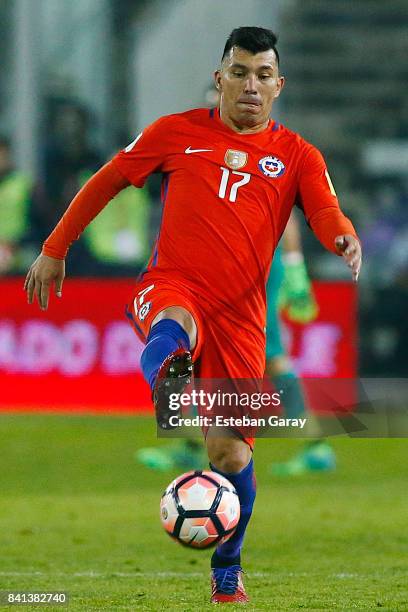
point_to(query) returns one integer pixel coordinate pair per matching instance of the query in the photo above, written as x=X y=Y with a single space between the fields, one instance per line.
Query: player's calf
x=226 y=561
x=167 y=365
x=173 y=376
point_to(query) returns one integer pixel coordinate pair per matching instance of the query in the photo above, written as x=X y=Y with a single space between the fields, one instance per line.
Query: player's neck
x=240 y=128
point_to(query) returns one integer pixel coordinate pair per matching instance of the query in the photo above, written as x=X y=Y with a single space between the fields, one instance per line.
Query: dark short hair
x=252 y=39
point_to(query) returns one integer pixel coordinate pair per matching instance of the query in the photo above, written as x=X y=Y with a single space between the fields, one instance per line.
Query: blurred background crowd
x=80 y=78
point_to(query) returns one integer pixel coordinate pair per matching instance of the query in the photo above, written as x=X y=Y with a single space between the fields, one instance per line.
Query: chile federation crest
x=271 y=166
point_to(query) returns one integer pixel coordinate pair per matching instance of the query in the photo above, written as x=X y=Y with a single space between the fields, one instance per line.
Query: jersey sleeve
x=145 y=155
x=318 y=200
x=89 y=201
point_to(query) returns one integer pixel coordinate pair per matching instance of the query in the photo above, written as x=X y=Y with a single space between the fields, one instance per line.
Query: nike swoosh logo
x=190 y=150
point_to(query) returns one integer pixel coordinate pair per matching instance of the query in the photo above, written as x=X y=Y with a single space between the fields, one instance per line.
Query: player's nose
x=251 y=85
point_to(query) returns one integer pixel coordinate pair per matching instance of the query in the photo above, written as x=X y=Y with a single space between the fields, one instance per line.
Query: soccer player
x=231 y=177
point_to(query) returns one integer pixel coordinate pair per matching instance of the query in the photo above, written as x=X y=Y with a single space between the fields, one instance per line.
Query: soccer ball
x=200 y=509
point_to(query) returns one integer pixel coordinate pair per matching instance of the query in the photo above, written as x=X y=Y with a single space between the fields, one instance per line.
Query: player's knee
x=183 y=318
x=231 y=462
x=228 y=455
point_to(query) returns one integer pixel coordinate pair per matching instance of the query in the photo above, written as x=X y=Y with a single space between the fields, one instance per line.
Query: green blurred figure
x=118 y=239
x=15 y=191
x=289 y=289
x=186 y=454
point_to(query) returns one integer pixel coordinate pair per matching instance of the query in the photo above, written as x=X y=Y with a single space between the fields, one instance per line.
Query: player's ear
x=280 y=85
x=217 y=79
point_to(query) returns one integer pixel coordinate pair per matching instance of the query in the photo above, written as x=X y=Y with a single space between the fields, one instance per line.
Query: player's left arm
x=318 y=200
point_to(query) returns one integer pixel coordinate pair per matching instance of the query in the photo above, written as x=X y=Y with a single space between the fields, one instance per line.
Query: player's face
x=248 y=85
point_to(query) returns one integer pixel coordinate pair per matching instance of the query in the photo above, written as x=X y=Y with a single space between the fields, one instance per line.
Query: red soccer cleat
x=173 y=376
x=227 y=586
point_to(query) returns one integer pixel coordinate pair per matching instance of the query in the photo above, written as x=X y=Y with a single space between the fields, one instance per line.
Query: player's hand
x=350 y=249
x=43 y=273
x=296 y=294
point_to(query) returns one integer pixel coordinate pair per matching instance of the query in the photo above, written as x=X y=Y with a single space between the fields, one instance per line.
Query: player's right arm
x=49 y=267
x=131 y=166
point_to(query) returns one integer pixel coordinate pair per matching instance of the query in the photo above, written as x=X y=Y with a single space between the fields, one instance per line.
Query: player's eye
x=265 y=76
x=238 y=73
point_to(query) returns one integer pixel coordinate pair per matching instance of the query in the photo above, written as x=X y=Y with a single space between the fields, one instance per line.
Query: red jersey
x=226 y=200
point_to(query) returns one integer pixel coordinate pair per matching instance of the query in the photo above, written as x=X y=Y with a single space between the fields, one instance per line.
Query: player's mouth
x=249 y=103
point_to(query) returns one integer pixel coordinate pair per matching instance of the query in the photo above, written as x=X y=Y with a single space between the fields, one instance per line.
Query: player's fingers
x=30 y=289
x=44 y=295
x=37 y=290
x=351 y=261
x=348 y=259
x=58 y=286
x=353 y=252
x=27 y=279
x=356 y=268
x=350 y=250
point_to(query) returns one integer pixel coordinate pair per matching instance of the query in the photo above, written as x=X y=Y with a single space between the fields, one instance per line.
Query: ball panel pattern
x=200 y=509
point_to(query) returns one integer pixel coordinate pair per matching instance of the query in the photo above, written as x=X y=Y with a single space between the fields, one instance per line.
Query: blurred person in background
x=388 y=227
x=15 y=191
x=118 y=242
x=289 y=289
x=384 y=317
x=68 y=160
x=118 y=239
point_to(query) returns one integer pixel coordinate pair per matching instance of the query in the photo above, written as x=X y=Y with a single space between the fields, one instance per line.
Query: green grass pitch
x=78 y=514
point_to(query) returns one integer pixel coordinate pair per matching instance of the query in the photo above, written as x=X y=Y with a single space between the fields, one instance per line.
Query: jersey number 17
x=233 y=188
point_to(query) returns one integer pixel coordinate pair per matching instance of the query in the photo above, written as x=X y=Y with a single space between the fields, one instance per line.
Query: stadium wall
x=82 y=355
